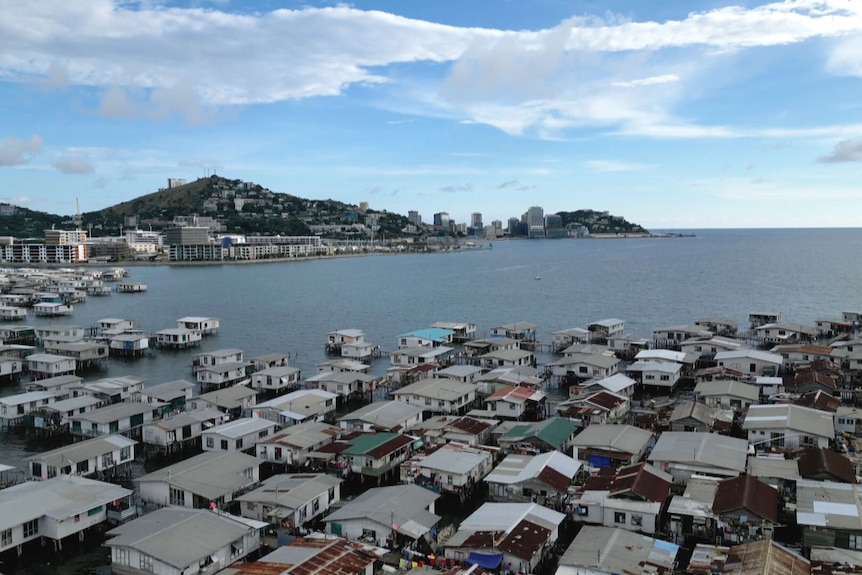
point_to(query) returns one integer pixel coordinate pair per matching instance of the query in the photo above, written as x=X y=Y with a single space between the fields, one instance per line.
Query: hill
x=234 y=206
x=601 y=222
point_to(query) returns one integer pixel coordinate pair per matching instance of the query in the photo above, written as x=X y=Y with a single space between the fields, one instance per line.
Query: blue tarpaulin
x=485 y=561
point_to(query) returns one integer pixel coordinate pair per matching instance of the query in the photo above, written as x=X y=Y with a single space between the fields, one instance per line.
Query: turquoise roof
x=362 y=444
x=554 y=431
x=437 y=334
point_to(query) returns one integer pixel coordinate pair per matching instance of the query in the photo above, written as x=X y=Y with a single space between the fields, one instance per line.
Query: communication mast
x=78 y=219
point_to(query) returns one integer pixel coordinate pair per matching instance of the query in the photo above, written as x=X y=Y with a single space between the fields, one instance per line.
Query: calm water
x=290 y=307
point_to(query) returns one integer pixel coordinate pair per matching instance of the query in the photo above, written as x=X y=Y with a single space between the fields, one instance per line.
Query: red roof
x=748 y=493
x=390 y=446
x=639 y=480
x=336 y=557
x=516 y=393
x=525 y=540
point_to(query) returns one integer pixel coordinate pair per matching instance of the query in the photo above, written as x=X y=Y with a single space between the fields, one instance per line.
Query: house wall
x=352 y=529
x=792 y=440
x=620 y=517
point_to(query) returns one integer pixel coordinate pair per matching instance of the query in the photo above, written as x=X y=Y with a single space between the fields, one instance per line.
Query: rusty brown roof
x=765 y=558
x=390 y=446
x=819 y=400
x=259 y=568
x=470 y=425
x=336 y=557
x=818 y=463
x=748 y=493
x=525 y=540
x=481 y=540
x=638 y=480
x=554 y=479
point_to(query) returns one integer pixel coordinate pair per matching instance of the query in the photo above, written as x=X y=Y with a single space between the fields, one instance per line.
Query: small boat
x=538 y=277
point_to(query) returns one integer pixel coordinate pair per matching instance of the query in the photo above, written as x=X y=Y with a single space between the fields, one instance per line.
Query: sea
x=290 y=307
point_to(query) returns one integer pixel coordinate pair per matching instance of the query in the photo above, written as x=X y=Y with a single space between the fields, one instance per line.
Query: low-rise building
x=543 y=479
x=611 y=445
x=451 y=468
x=294 y=445
x=553 y=434
x=788 y=426
x=238 y=435
x=290 y=499
x=685 y=453
x=163 y=542
x=605 y=551
x=382 y=416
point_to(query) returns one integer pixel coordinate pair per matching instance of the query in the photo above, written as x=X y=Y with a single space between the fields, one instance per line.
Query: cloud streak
x=74 y=165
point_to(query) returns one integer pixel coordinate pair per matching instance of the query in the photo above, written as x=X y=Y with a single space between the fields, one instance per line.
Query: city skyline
x=679 y=115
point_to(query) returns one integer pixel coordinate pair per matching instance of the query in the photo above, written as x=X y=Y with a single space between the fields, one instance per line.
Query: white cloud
x=14 y=151
x=156 y=61
x=72 y=164
x=651 y=81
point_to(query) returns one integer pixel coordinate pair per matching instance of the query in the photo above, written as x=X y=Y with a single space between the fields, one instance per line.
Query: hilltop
x=248 y=208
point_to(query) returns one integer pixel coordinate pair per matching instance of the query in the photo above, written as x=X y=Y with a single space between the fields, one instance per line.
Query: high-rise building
x=414 y=218
x=476 y=221
x=441 y=220
x=536 y=222
x=514 y=227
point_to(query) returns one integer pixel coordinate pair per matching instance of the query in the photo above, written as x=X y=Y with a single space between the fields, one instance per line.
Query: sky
x=672 y=114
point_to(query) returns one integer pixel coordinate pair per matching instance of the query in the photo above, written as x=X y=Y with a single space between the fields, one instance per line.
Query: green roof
x=554 y=431
x=362 y=444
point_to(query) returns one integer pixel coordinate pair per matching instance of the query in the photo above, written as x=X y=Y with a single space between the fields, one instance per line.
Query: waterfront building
x=453 y=468
x=237 y=435
x=788 y=426
x=204 y=325
x=161 y=542
x=127 y=417
x=536 y=222
x=276 y=379
x=428 y=337
x=382 y=512
x=512 y=535
x=632 y=498
x=291 y=499
x=604 y=550
x=438 y=396
x=179 y=430
x=296 y=445
x=200 y=480
x=686 y=453
x=15 y=408
x=100 y=456
x=521 y=478
x=395 y=416
x=750 y=361
x=55 y=509
x=345 y=384
x=178 y=338
x=605 y=329
x=233 y=401
x=611 y=445
x=443 y=429
x=537 y=437
x=175 y=393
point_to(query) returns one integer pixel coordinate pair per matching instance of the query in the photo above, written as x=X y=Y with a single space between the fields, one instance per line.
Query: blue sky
x=672 y=114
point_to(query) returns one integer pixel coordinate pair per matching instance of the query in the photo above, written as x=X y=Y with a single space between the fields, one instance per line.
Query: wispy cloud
x=613 y=166
x=652 y=81
x=14 y=151
x=457 y=189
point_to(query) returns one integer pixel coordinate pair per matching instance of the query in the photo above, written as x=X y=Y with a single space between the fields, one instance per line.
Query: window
x=239 y=443
x=665 y=378
x=121 y=556
x=248 y=472
x=146 y=563
x=177 y=497
x=5 y=537
x=263 y=433
x=582 y=510
x=637 y=520
x=427 y=401
x=125 y=453
x=83 y=466
x=619 y=517
x=31 y=528
x=107 y=460
x=582 y=369
x=855 y=542
x=210 y=442
x=224 y=444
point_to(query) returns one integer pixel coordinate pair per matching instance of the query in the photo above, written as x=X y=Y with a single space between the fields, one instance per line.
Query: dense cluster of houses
x=700 y=449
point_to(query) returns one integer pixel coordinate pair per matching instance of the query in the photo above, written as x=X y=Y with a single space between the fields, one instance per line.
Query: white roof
x=657 y=366
x=455 y=459
x=386 y=414
x=26 y=397
x=316 y=395
x=505 y=516
x=518 y=468
x=614 y=383
x=625 y=438
x=701 y=448
x=242 y=427
x=749 y=354
x=790 y=417
x=59 y=498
